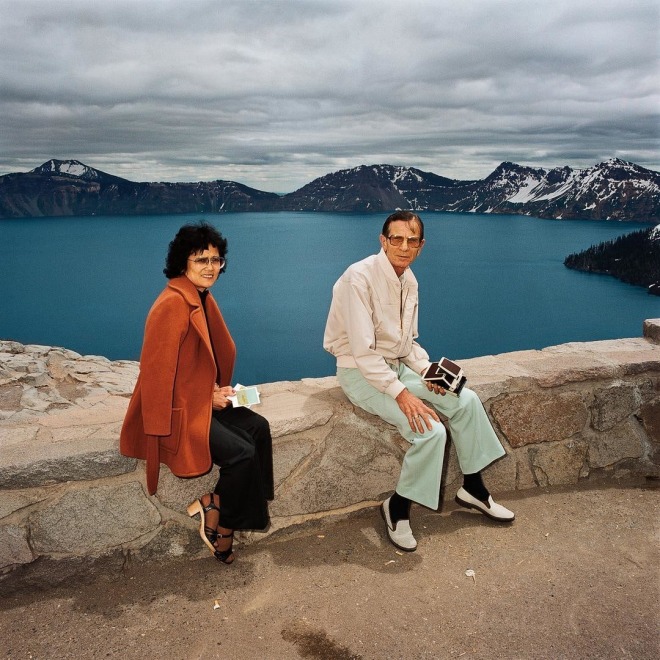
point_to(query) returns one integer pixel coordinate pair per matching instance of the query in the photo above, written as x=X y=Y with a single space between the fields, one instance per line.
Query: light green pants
x=476 y=443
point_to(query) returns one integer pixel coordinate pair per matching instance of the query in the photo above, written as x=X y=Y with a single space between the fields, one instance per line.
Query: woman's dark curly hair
x=189 y=240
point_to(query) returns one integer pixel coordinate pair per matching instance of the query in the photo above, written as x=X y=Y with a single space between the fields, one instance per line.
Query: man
x=371 y=330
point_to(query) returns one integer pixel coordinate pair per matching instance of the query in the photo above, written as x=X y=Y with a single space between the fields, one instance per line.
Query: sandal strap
x=211 y=534
x=225 y=536
x=223 y=556
x=210 y=507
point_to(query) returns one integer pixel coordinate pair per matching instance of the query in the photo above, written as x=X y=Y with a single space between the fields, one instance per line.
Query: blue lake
x=488 y=284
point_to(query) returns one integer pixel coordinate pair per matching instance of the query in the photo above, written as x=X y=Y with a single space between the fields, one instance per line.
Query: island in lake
x=633 y=258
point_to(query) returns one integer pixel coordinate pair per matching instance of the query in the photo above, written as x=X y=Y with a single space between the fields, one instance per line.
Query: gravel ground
x=575 y=576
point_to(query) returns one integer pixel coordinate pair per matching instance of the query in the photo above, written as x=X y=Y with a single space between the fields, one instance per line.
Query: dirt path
x=576 y=576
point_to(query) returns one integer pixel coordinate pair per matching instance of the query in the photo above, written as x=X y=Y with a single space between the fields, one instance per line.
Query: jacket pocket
x=170 y=443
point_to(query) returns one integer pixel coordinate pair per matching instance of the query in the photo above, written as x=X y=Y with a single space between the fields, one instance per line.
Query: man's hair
x=406 y=216
x=189 y=240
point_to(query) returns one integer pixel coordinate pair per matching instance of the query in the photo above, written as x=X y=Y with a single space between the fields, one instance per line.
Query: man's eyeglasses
x=397 y=241
x=216 y=262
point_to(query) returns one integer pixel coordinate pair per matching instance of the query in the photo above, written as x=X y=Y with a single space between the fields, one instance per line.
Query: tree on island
x=633 y=258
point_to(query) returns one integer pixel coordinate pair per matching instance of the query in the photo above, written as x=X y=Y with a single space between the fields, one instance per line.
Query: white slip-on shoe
x=490 y=508
x=400 y=535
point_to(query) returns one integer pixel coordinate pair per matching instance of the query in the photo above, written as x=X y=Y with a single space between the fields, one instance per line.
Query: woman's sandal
x=209 y=534
x=225 y=556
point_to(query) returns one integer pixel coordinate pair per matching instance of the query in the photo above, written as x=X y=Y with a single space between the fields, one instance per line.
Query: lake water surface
x=488 y=284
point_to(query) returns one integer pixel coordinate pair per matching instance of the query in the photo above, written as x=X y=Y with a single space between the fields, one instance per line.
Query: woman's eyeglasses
x=216 y=262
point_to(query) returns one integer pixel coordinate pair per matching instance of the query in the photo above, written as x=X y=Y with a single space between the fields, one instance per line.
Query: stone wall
x=564 y=414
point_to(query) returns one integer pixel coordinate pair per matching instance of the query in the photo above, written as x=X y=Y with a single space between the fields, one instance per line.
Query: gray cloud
x=276 y=93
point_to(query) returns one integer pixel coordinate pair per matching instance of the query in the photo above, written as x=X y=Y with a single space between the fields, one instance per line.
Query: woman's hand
x=417 y=412
x=220 y=396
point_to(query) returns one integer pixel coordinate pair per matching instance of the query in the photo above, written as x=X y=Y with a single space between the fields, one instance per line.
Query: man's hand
x=434 y=387
x=220 y=395
x=417 y=412
x=431 y=386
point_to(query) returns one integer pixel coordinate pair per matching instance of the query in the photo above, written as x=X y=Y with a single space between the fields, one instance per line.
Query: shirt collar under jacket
x=388 y=270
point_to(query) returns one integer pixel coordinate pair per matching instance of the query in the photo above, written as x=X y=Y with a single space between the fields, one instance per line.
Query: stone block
x=525 y=477
x=533 y=417
x=21 y=363
x=630 y=356
x=36 y=380
x=14 y=547
x=171 y=541
x=567 y=363
x=39 y=350
x=355 y=465
x=63 y=462
x=639 y=363
x=177 y=493
x=18 y=437
x=558 y=464
x=70 y=391
x=613 y=404
x=490 y=375
x=291 y=453
x=13 y=501
x=651 y=330
x=649 y=389
x=34 y=399
x=293 y=412
x=501 y=476
x=10 y=347
x=649 y=413
x=91 y=521
x=10 y=397
x=616 y=444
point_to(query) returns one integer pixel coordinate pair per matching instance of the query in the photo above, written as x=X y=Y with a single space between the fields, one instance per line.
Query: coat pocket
x=170 y=443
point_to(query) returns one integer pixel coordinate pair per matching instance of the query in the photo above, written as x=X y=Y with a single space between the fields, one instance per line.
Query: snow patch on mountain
x=67 y=167
x=525 y=191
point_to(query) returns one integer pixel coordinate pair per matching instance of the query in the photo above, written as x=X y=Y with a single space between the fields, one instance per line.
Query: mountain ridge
x=612 y=190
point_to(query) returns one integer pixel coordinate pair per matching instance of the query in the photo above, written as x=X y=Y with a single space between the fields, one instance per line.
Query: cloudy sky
x=275 y=93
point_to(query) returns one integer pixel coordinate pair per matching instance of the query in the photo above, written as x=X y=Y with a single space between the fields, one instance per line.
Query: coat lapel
x=187 y=289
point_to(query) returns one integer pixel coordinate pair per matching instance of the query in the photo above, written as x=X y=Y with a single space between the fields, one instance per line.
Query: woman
x=180 y=413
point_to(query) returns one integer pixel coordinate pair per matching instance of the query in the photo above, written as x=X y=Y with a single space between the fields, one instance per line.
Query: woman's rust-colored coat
x=169 y=415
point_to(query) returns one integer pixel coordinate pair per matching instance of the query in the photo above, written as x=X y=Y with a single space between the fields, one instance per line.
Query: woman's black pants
x=242 y=447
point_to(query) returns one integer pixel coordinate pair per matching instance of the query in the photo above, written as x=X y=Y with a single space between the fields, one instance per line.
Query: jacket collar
x=187 y=289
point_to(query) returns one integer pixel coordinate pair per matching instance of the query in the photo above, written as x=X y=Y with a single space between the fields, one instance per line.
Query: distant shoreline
x=614 y=190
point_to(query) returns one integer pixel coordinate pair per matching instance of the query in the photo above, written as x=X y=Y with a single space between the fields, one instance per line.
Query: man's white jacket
x=372 y=323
